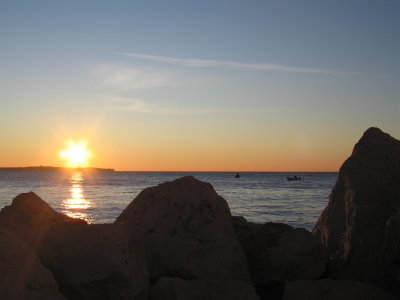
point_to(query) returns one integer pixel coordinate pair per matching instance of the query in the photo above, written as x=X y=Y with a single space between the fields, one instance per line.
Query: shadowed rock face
x=95 y=261
x=22 y=273
x=392 y=242
x=87 y=261
x=178 y=289
x=365 y=195
x=329 y=289
x=30 y=217
x=187 y=231
x=392 y=238
x=278 y=252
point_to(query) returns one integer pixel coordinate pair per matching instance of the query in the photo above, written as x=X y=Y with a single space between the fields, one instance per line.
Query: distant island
x=49 y=168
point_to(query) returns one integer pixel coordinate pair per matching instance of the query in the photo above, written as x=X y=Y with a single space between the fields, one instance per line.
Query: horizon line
x=170 y=171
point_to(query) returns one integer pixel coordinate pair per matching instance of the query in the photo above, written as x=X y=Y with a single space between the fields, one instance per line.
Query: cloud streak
x=130 y=78
x=140 y=106
x=207 y=63
x=143 y=107
x=134 y=105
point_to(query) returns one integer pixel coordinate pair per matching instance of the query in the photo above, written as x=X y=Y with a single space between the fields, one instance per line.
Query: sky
x=197 y=85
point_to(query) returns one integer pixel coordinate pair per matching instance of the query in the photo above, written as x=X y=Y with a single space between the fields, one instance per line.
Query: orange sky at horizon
x=180 y=150
x=196 y=155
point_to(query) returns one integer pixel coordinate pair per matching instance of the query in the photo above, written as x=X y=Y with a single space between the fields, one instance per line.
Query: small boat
x=237 y=175
x=294 y=178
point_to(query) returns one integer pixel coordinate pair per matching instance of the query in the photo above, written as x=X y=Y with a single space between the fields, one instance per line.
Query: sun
x=76 y=155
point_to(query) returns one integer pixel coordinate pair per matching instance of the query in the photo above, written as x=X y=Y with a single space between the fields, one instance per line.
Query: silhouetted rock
x=366 y=194
x=22 y=275
x=278 y=252
x=392 y=242
x=95 y=261
x=187 y=231
x=178 y=289
x=328 y=289
x=30 y=217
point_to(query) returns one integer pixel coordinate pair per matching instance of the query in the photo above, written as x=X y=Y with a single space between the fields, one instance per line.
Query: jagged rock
x=187 y=231
x=366 y=194
x=22 y=274
x=278 y=252
x=178 y=289
x=95 y=261
x=29 y=217
x=328 y=289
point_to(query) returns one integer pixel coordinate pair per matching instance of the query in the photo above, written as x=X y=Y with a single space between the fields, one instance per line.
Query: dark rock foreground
x=329 y=289
x=178 y=241
x=353 y=225
x=187 y=231
x=279 y=252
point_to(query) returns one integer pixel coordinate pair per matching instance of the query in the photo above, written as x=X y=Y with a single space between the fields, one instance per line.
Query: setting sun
x=76 y=154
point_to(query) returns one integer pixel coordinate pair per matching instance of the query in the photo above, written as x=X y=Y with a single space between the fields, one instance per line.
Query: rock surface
x=95 y=261
x=30 y=217
x=179 y=289
x=365 y=195
x=392 y=238
x=278 y=252
x=187 y=231
x=87 y=261
x=392 y=242
x=328 y=289
x=22 y=273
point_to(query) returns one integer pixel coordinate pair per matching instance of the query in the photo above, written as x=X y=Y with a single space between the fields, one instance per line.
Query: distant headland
x=49 y=168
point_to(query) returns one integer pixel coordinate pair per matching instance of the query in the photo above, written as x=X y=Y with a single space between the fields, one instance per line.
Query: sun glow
x=76 y=155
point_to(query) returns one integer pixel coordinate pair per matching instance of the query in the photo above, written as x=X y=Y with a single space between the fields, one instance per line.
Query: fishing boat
x=294 y=178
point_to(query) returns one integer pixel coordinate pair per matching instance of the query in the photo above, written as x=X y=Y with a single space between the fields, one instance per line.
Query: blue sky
x=222 y=73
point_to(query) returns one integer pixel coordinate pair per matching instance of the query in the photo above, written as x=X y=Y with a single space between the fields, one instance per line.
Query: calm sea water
x=99 y=197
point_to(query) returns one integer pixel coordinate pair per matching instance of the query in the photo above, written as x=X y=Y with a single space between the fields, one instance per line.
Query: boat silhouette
x=294 y=178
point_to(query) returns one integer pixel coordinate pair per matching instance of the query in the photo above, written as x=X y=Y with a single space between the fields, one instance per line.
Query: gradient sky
x=197 y=85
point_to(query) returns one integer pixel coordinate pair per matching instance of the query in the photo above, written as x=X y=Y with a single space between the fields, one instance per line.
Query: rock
x=392 y=242
x=278 y=252
x=392 y=238
x=328 y=289
x=95 y=261
x=22 y=274
x=366 y=194
x=29 y=217
x=187 y=231
x=178 y=289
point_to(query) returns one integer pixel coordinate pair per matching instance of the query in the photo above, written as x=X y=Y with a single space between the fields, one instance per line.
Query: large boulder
x=279 y=252
x=30 y=217
x=392 y=242
x=366 y=194
x=178 y=289
x=328 y=289
x=95 y=261
x=22 y=274
x=187 y=231
x=392 y=238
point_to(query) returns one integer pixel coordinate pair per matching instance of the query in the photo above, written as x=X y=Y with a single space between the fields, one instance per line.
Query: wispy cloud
x=140 y=106
x=134 y=105
x=126 y=78
x=207 y=63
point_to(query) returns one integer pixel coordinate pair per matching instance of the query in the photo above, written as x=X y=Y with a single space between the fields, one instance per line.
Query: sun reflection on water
x=76 y=205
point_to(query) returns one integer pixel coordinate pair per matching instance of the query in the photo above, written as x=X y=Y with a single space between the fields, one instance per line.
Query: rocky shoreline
x=178 y=240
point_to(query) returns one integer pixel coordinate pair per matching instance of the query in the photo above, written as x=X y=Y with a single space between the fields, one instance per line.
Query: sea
x=100 y=196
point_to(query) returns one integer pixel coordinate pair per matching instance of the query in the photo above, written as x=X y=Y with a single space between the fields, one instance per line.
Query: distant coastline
x=49 y=168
